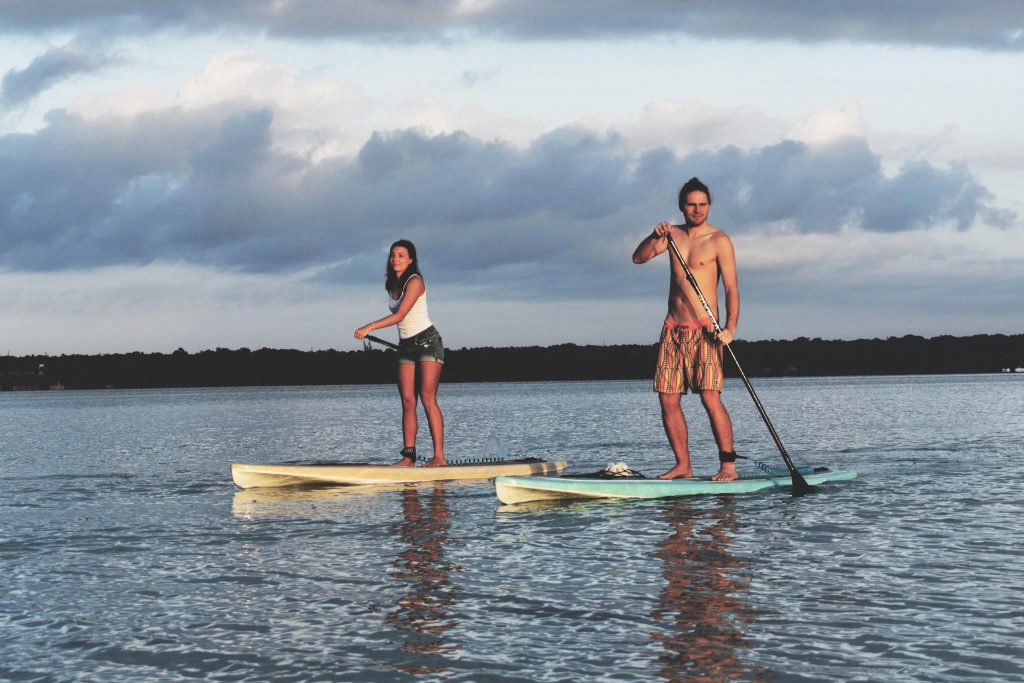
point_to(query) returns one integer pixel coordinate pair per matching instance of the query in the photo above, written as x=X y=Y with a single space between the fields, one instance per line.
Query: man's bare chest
x=700 y=254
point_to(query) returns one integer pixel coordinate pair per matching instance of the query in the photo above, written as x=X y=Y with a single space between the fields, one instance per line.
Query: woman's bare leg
x=407 y=392
x=430 y=376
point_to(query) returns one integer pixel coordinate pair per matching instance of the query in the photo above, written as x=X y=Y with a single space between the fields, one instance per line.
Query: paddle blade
x=800 y=485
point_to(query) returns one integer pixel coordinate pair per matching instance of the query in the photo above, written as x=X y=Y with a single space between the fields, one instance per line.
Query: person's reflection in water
x=423 y=612
x=701 y=607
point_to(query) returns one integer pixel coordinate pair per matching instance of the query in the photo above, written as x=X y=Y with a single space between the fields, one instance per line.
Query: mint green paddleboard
x=512 y=490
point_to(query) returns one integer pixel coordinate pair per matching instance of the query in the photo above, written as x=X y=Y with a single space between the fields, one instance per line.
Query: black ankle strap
x=727 y=456
x=409 y=452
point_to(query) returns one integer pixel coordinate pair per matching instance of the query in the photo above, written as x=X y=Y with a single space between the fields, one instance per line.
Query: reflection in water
x=700 y=606
x=423 y=613
x=319 y=502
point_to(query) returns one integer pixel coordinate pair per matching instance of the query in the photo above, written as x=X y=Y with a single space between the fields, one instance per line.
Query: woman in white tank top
x=420 y=350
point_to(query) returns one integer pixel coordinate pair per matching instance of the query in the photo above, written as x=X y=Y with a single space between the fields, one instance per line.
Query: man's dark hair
x=693 y=185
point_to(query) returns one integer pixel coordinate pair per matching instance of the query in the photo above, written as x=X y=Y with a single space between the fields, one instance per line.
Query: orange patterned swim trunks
x=689 y=358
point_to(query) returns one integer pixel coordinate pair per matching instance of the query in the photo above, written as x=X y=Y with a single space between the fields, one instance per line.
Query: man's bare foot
x=404 y=462
x=678 y=472
x=437 y=461
x=726 y=473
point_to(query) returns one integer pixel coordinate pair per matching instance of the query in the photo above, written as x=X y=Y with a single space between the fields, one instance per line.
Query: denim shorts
x=425 y=346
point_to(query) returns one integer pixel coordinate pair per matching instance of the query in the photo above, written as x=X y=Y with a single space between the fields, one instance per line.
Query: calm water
x=129 y=555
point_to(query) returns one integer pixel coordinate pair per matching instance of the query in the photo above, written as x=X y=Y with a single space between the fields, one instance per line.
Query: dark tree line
x=909 y=355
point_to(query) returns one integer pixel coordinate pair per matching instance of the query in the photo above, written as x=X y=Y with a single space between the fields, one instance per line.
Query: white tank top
x=417 y=319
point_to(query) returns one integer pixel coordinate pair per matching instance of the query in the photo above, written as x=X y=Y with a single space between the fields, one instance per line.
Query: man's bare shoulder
x=719 y=236
x=710 y=233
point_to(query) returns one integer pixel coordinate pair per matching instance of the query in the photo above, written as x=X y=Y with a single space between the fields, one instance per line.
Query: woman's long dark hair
x=393 y=283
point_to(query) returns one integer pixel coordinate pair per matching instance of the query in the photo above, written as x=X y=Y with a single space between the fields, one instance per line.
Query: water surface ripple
x=129 y=555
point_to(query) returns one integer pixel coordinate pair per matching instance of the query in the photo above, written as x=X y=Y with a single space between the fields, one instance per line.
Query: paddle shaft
x=800 y=485
x=381 y=342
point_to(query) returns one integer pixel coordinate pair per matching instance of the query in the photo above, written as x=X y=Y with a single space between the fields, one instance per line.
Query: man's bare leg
x=675 y=429
x=721 y=427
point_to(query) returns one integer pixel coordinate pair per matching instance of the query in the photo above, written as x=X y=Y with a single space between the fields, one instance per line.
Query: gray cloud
x=821 y=188
x=985 y=24
x=48 y=69
x=209 y=187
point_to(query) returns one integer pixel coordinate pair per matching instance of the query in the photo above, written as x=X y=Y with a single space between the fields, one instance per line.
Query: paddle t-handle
x=800 y=485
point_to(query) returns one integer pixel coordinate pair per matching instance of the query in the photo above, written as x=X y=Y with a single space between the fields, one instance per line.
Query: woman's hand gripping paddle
x=800 y=485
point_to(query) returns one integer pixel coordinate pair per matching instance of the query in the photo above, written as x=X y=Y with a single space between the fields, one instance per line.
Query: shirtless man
x=690 y=353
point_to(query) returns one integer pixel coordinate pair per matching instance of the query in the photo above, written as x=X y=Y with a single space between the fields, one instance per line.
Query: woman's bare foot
x=678 y=472
x=726 y=473
x=436 y=461
x=408 y=457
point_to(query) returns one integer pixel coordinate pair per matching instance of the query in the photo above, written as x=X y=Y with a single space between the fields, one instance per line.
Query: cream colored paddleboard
x=251 y=476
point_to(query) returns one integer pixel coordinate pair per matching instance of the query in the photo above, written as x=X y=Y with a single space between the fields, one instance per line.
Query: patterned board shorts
x=689 y=359
x=425 y=346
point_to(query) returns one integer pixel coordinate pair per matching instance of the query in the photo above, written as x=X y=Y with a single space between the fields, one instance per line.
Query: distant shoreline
x=802 y=357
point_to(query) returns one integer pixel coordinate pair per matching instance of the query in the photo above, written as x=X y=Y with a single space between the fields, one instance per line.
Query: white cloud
x=826 y=125
x=314 y=118
x=249 y=77
x=687 y=126
x=433 y=116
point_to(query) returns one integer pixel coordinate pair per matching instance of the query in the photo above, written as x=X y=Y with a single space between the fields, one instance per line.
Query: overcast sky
x=178 y=173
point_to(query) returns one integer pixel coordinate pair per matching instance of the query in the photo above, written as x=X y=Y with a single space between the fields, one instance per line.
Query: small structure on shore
x=29 y=380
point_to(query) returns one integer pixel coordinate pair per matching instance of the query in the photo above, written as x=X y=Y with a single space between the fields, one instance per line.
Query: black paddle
x=800 y=485
x=381 y=342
